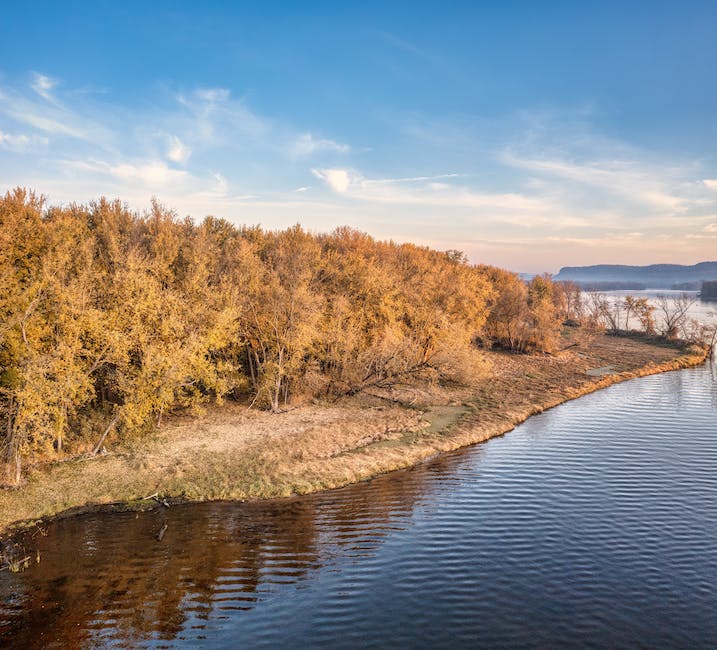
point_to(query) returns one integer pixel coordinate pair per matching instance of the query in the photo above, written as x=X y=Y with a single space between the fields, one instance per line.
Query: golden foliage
x=106 y=312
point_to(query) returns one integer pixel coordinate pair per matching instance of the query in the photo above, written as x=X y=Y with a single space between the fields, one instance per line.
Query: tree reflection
x=104 y=578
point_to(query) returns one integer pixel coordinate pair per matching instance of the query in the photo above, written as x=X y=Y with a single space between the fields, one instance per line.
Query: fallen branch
x=83 y=459
x=104 y=435
x=15 y=566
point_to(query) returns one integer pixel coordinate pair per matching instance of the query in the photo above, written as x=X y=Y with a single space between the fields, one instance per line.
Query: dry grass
x=235 y=453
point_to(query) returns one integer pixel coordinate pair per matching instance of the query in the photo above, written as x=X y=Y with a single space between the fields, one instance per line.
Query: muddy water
x=593 y=524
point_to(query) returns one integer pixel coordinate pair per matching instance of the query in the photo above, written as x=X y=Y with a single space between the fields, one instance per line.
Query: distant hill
x=655 y=276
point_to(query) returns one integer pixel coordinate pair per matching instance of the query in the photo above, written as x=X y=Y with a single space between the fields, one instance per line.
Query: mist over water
x=592 y=524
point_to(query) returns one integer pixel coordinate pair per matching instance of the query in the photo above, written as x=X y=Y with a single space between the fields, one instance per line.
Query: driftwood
x=161 y=532
x=155 y=496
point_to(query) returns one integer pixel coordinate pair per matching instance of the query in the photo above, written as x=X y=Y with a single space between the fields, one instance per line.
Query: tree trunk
x=13 y=466
x=275 y=396
x=12 y=470
x=60 y=428
x=278 y=384
x=251 y=366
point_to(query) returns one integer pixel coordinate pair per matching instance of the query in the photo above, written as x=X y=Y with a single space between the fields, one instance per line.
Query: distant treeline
x=709 y=290
x=588 y=285
x=110 y=319
x=686 y=286
x=612 y=286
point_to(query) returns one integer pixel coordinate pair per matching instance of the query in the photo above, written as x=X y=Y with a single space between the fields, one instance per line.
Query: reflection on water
x=593 y=523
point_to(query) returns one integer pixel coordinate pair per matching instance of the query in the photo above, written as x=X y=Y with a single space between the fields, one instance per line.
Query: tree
x=109 y=319
x=674 y=312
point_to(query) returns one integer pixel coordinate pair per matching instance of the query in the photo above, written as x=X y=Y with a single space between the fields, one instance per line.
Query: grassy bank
x=233 y=452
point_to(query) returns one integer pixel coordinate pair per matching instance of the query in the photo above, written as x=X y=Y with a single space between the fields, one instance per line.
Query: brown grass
x=232 y=452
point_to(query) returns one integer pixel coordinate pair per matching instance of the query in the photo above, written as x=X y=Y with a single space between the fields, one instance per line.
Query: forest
x=111 y=319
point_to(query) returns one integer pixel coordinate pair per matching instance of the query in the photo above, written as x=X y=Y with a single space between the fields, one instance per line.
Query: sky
x=529 y=135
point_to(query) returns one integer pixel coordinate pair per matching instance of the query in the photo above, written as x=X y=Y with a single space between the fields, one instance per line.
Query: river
x=592 y=524
x=701 y=310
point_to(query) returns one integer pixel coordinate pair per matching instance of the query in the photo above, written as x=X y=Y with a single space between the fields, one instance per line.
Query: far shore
x=236 y=453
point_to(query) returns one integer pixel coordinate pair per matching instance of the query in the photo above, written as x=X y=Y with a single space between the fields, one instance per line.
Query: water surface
x=704 y=311
x=592 y=524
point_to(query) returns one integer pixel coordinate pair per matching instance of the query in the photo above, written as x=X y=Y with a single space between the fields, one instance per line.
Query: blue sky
x=530 y=135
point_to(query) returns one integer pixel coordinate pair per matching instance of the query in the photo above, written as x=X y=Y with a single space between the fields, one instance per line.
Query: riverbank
x=233 y=452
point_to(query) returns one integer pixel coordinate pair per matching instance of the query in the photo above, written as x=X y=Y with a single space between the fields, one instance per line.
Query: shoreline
x=234 y=454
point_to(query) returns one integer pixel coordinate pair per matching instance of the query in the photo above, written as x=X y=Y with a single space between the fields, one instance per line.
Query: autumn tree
x=110 y=319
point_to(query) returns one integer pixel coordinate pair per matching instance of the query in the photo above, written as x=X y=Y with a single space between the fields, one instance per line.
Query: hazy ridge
x=654 y=276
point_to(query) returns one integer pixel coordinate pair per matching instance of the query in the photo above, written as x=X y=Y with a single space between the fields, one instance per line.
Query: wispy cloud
x=213 y=95
x=536 y=178
x=20 y=141
x=152 y=174
x=43 y=85
x=48 y=115
x=423 y=190
x=218 y=118
x=401 y=44
x=202 y=148
x=52 y=122
x=617 y=177
x=306 y=144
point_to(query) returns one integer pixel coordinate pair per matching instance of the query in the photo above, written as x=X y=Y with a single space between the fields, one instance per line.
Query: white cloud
x=306 y=144
x=337 y=179
x=710 y=183
x=177 y=151
x=42 y=85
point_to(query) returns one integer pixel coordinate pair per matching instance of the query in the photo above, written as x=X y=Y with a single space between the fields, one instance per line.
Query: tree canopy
x=110 y=318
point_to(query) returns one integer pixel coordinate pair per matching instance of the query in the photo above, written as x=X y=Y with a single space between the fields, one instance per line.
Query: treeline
x=587 y=285
x=666 y=317
x=709 y=290
x=110 y=319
